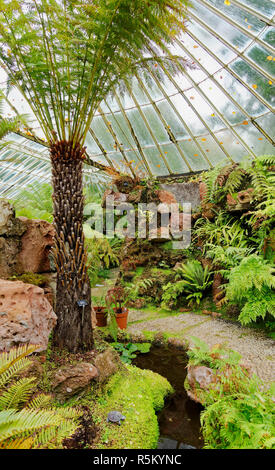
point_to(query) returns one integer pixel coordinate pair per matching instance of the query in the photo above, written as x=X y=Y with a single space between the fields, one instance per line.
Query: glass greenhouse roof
x=218 y=109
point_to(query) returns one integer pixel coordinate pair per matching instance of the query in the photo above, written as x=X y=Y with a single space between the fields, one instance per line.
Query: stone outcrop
x=36 y=242
x=107 y=364
x=24 y=243
x=70 y=380
x=165 y=197
x=26 y=316
x=184 y=192
x=11 y=231
x=10 y=226
x=199 y=379
x=9 y=251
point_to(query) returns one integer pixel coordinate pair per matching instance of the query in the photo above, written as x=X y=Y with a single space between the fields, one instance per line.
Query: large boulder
x=37 y=242
x=24 y=243
x=72 y=379
x=26 y=316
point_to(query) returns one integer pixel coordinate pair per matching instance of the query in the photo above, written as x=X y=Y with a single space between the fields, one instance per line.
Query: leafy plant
x=252 y=284
x=134 y=291
x=106 y=254
x=99 y=301
x=117 y=297
x=27 y=420
x=262 y=173
x=127 y=351
x=100 y=256
x=194 y=281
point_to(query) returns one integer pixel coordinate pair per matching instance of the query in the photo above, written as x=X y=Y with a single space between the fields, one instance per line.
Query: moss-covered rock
x=137 y=394
x=30 y=278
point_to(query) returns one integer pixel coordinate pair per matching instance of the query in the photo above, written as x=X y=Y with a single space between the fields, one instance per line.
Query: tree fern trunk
x=73 y=330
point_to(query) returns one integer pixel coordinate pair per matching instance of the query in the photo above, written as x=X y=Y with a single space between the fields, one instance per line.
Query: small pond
x=179 y=421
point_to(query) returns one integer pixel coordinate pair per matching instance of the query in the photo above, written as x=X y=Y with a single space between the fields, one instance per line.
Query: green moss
x=30 y=278
x=137 y=394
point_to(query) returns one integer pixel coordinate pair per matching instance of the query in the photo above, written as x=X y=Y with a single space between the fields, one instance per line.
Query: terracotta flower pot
x=101 y=316
x=121 y=317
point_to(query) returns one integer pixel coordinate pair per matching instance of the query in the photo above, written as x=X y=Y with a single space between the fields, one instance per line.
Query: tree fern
x=8 y=125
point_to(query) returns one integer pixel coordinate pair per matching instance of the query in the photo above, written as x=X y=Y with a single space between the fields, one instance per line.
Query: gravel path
x=256 y=349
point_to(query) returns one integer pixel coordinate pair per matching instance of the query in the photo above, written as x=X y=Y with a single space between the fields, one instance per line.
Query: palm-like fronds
x=65 y=57
x=8 y=125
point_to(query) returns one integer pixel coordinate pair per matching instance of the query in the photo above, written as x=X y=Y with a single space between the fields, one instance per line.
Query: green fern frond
x=37 y=424
x=42 y=400
x=234 y=180
x=14 y=361
x=17 y=394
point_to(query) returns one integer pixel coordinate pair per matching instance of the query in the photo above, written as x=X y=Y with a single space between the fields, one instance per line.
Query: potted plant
x=100 y=311
x=117 y=298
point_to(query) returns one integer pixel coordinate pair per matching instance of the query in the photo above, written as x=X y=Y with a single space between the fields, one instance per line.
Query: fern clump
x=28 y=421
x=263 y=181
x=215 y=358
x=223 y=231
x=252 y=283
x=238 y=414
x=240 y=421
x=193 y=281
